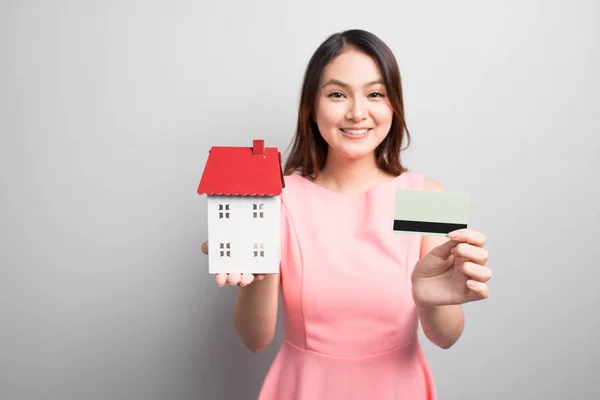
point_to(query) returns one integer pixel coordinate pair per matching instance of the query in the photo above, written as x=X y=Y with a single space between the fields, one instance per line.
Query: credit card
x=429 y=212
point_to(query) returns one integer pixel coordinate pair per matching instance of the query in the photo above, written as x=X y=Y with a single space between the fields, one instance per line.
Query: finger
x=246 y=279
x=259 y=277
x=205 y=247
x=234 y=278
x=468 y=235
x=479 y=290
x=221 y=279
x=469 y=252
x=477 y=272
x=445 y=249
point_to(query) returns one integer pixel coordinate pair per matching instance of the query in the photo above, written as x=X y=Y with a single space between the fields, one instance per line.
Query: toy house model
x=243 y=187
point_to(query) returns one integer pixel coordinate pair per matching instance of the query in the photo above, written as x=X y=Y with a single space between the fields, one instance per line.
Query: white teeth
x=355 y=131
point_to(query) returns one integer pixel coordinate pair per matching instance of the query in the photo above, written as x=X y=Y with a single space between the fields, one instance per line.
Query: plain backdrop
x=108 y=110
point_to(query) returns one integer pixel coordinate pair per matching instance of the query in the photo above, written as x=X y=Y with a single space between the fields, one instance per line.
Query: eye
x=377 y=94
x=336 y=95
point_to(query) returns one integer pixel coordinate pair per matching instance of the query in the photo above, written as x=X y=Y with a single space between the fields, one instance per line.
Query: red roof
x=242 y=171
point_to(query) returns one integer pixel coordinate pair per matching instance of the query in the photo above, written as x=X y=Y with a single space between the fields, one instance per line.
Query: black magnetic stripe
x=421 y=226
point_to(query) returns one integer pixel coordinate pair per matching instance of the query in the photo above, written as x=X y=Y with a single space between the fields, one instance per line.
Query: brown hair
x=308 y=151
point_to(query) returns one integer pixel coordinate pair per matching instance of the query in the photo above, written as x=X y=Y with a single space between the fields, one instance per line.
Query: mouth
x=355 y=133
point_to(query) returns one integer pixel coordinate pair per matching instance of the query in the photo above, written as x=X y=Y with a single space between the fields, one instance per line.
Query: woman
x=353 y=289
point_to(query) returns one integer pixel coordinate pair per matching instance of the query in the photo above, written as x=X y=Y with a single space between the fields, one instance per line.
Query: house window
x=225 y=249
x=258 y=210
x=259 y=249
x=223 y=211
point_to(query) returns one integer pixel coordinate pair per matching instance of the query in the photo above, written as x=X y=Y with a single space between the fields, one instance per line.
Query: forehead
x=352 y=67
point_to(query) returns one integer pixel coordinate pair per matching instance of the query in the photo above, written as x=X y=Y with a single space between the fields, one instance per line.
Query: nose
x=356 y=112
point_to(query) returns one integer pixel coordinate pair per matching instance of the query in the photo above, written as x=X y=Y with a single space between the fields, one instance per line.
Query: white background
x=107 y=112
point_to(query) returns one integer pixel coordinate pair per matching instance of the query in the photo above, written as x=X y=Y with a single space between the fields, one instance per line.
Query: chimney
x=258 y=148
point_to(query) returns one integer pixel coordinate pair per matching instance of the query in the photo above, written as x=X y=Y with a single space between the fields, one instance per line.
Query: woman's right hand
x=234 y=278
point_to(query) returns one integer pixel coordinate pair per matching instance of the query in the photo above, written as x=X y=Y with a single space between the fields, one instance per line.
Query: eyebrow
x=340 y=83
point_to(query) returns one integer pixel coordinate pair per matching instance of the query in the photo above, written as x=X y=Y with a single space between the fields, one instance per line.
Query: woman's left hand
x=454 y=272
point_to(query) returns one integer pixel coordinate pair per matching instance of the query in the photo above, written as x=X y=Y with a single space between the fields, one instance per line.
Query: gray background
x=107 y=112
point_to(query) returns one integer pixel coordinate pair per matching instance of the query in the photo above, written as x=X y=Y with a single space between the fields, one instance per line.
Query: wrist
x=419 y=297
x=426 y=310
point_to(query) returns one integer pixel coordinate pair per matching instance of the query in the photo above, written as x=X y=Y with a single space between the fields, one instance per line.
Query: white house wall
x=231 y=220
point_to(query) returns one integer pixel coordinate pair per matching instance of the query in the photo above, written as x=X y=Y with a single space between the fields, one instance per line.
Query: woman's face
x=352 y=110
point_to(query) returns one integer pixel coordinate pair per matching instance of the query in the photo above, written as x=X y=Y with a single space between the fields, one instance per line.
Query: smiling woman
x=354 y=290
x=352 y=90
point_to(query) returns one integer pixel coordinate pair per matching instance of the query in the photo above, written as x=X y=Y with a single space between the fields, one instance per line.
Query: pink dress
x=350 y=325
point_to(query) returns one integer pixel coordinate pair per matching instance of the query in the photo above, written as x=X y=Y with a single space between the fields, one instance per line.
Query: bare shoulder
x=432 y=184
x=429 y=242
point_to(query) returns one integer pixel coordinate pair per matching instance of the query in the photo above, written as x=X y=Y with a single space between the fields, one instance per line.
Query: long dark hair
x=308 y=151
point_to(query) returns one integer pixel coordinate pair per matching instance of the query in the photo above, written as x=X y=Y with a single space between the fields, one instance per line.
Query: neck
x=350 y=176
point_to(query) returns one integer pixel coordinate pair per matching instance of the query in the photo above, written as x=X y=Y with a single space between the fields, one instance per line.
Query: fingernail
x=472 y=284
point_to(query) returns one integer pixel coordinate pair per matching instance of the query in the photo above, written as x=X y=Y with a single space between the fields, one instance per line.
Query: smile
x=355 y=133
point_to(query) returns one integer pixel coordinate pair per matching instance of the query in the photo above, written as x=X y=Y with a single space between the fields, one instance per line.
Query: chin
x=353 y=154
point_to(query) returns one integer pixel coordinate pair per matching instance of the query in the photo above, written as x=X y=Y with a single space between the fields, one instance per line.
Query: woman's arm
x=255 y=316
x=442 y=325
